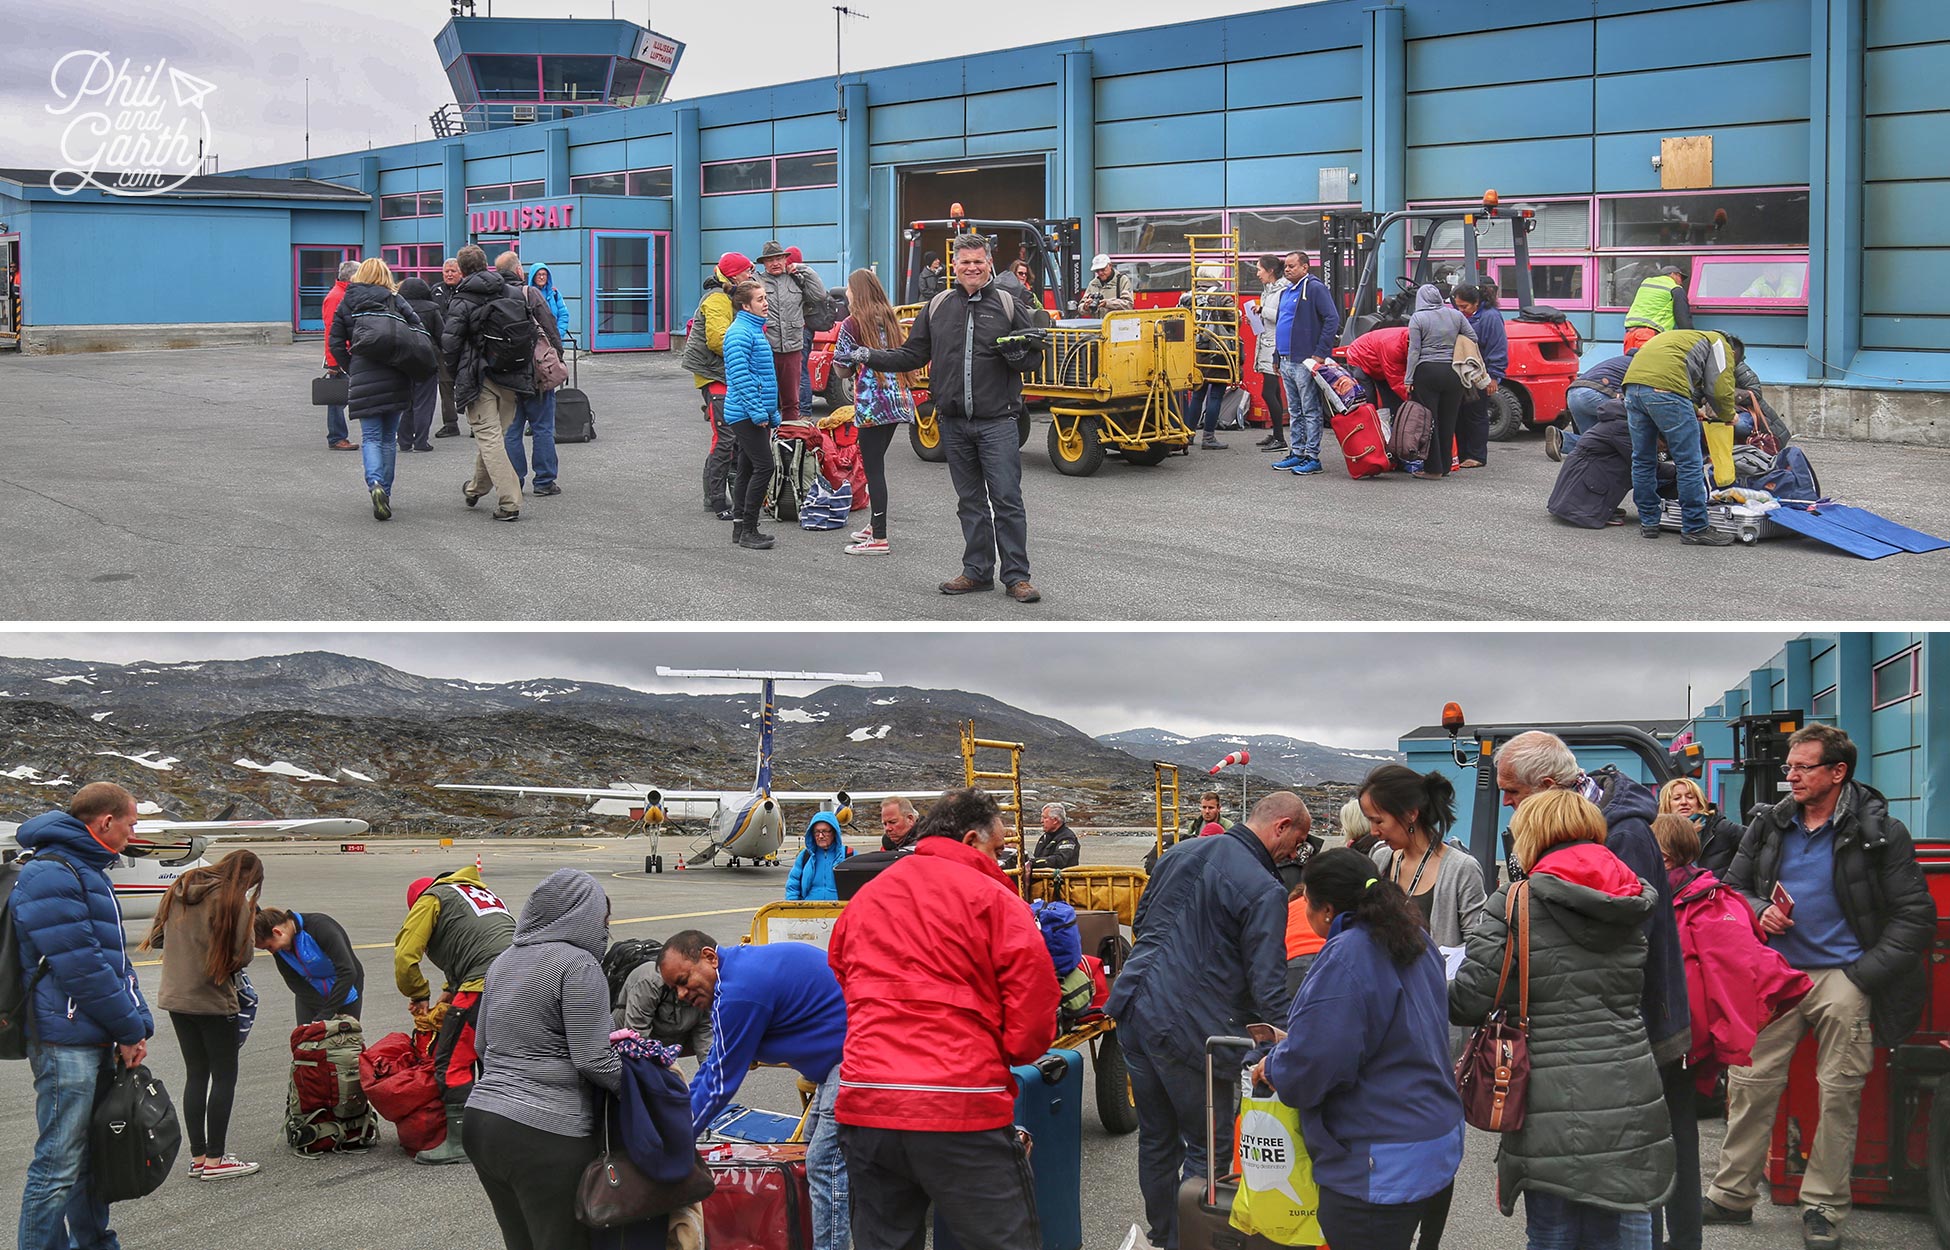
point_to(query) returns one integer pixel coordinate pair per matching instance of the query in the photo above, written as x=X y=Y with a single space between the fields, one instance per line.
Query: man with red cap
x=704 y=357
x=461 y=925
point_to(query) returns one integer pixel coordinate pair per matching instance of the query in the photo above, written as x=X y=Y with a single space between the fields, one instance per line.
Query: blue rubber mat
x=1823 y=529
x=1884 y=530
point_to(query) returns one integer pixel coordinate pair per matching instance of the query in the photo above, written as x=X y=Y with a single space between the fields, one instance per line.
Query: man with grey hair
x=443 y=291
x=1536 y=761
x=486 y=394
x=1058 y=847
x=337 y=433
x=897 y=817
x=972 y=339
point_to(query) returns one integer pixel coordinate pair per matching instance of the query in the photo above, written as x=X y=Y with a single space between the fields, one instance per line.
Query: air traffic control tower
x=509 y=71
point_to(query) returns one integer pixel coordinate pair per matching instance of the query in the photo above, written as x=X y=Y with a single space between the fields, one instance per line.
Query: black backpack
x=17 y=987
x=626 y=957
x=820 y=315
x=133 y=1136
x=507 y=334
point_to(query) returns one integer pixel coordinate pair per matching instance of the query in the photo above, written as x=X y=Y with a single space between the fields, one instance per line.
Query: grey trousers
x=985 y=464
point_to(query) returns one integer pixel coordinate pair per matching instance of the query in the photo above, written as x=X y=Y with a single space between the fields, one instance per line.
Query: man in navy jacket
x=1308 y=323
x=86 y=1012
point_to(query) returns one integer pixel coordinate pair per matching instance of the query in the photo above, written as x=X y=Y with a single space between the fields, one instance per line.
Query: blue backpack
x=1791 y=480
x=1058 y=922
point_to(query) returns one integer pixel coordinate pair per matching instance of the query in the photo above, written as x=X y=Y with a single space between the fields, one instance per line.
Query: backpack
x=795 y=463
x=1058 y=921
x=508 y=334
x=825 y=507
x=387 y=337
x=820 y=314
x=1791 y=479
x=133 y=1135
x=1414 y=431
x=325 y=1108
x=16 y=986
x=839 y=456
x=622 y=959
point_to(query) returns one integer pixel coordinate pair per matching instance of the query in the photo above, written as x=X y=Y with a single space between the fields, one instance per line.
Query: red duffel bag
x=397 y=1074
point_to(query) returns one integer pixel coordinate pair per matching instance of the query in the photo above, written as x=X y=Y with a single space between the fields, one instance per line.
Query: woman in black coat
x=1719 y=838
x=417 y=428
x=381 y=391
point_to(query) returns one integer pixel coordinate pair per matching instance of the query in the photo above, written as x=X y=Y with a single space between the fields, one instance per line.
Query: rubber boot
x=448 y=1151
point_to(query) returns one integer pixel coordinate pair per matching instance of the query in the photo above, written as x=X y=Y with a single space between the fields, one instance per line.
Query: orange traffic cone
x=680 y=863
x=477 y=861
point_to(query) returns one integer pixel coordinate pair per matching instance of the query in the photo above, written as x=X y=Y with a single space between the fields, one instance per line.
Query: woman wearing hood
x=1432 y=335
x=812 y=872
x=544 y=282
x=1595 y=1153
x=203 y=926
x=543 y=1035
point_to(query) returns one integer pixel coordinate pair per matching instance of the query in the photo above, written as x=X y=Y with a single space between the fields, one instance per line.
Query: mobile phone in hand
x=1783 y=900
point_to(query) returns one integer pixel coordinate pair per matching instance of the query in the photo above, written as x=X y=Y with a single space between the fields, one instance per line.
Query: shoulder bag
x=1493 y=1075
x=614 y=1192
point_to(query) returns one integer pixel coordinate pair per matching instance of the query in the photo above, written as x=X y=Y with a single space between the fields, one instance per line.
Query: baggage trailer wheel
x=925 y=435
x=1076 y=445
x=1154 y=454
x=1116 y=1106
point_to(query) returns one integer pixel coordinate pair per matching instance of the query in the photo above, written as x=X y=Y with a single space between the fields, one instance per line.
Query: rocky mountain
x=1289 y=761
x=323 y=734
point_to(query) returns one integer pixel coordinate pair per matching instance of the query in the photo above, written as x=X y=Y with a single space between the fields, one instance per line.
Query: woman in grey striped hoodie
x=543 y=1032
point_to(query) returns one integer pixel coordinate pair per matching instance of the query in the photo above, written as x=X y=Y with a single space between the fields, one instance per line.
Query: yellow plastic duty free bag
x=1277 y=1197
x=1719 y=450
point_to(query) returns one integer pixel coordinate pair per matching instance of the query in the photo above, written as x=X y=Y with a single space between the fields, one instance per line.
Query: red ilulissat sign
x=525 y=217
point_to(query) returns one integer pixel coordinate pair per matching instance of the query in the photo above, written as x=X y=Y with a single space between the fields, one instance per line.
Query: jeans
x=985 y=464
x=379 y=448
x=1653 y=413
x=1583 y=404
x=826 y=1170
x=1555 y=1223
x=535 y=413
x=805 y=378
x=1304 y=413
x=1203 y=410
x=336 y=430
x=418 y=426
x=1171 y=1111
x=57 y=1209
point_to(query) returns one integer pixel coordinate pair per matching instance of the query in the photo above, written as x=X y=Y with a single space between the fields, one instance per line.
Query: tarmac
x=381 y=1199
x=195 y=485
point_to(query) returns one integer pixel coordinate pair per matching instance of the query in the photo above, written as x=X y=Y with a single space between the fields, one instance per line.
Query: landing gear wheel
x=1023 y=429
x=925 y=435
x=1081 y=453
x=1154 y=454
x=653 y=863
x=1506 y=414
x=1116 y=1105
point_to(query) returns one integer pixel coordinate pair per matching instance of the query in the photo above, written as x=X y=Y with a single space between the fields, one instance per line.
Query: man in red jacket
x=947 y=985
x=336 y=431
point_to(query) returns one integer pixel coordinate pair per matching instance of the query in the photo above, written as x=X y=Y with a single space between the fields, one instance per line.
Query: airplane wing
x=858 y=796
x=214 y=830
x=597 y=792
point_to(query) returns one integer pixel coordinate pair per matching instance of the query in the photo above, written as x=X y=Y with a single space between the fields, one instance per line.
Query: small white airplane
x=747 y=826
x=163 y=850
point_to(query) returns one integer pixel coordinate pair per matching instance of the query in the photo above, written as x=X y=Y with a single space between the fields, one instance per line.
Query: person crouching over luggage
x=316 y=960
x=751 y=411
x=933 y=1123
x=775 y=1003
x=461 y=925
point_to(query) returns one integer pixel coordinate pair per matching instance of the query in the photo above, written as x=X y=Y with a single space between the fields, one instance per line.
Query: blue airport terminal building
x=1799 y=139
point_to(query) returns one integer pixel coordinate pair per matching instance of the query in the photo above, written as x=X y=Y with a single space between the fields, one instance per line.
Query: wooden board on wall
x=1686 y=162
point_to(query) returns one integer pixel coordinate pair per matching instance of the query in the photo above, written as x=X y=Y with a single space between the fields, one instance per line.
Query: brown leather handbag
x=1493 y=1075
x=614 y=1192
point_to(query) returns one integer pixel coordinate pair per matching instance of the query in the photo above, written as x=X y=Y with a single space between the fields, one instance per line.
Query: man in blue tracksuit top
x=1308 y=323
x=770 y=1004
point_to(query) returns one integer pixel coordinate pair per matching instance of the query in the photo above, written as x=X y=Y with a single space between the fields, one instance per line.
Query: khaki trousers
x=1838 y=1012
x=489 y=418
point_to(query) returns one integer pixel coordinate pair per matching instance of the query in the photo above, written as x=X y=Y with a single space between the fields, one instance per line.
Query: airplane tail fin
x=767 y=713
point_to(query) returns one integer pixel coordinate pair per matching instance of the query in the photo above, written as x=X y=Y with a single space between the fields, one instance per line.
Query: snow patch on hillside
x=885 y=702
x=281 y=768
x=867 y=733
x=83 y=678
x=147 y=760
x=798 y=716
x=356 y=776
x=99 y=717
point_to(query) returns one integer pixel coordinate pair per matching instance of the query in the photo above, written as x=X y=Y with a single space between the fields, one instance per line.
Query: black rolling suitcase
x=574 y=421
x=1205 y=1202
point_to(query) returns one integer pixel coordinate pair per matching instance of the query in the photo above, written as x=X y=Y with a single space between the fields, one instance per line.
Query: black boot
x=447 y=431
x=737 y=533
x=753 y=539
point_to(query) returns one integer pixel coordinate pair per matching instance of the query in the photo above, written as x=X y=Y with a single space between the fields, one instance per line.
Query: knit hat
x=1212 y=829
x=796 y=256
x=414 y=891
x=731 y=264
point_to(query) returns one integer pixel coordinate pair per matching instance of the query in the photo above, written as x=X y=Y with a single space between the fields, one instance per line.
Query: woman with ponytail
x=1365 y=1061
x=1409 y=812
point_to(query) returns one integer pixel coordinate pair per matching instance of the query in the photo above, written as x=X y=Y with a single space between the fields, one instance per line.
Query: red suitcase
x=761 y=1201
x=1359 y=429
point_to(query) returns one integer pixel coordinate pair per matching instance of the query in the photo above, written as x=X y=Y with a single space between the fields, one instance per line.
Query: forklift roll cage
x=1055 y=253
x=1358 y=236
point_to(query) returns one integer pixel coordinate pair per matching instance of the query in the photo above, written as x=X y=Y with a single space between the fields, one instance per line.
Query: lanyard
x=1419 y=866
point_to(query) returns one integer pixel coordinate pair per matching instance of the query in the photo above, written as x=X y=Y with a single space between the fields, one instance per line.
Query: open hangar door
x=1005 y=190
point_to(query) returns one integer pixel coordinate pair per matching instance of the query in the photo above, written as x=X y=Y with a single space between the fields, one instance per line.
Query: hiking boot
x=1306 y=467
x=1023 y=592
x=1553 y=442
x=1289 y=462
x=467 y=493
x=755 y=541
x=504 y=514
x=448 y=1151
x=1818 y=1231
x=1211 y=443
x=963 y=584
x=869 y=547
x=1708 y=538
x=550 y=489
x=225 y=1168
x=1711 y=1212
x=447 y=431
x=1648 y=531
x=382 y=504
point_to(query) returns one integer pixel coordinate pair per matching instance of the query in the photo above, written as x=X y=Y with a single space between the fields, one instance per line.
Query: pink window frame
x=1910 y=655
x=1761 y=304
x=540 y=81
x=346 y=251
x=660 y=296
x=419 y=209
x=1497 y=264
x=1219 y=212
x=1694 y=253
x=611 y=173
x=773 y=160
x=512 y=197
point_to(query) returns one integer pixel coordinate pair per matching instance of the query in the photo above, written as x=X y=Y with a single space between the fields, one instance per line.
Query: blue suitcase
x=1049 y=1104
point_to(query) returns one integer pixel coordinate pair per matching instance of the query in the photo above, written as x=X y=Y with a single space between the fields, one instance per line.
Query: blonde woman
x=375 y=330
x=1719 y=838
x=882 y=402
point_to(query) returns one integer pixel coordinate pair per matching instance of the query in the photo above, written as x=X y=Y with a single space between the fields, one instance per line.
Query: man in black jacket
x=488 y=399
x=976 y=383
x=1834 y=880
x=443 y=292
x=1058 y=847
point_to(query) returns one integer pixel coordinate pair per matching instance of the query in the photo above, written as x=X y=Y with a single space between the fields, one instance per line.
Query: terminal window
x=575 y=77
x=507 y=77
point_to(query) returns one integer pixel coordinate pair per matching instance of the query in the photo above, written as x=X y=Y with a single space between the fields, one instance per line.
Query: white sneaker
x=860 y=536
x=869 y=546
x=228 y=1166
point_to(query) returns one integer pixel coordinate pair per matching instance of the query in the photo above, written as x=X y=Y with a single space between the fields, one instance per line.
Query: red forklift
x=1902 y=1148
x=1544 y=346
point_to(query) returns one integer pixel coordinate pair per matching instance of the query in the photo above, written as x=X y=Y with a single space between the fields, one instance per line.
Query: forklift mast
x=1760 y=757
x=1359 y=236
x=1055 y=245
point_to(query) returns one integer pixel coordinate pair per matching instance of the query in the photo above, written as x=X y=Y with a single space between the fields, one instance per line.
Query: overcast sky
x=1349 y=690
x=375 y=77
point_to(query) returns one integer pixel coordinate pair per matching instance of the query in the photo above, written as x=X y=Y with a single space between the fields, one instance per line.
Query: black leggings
x=754 y=469
x=1274 y=395
x=530 y=1178
x=874 y=441
x=210 y=1053
x=1346 y=1221
x=1438 y=389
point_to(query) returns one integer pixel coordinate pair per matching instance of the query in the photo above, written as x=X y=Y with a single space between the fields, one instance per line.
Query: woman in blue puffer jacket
x=812 y=872
x=544 y=282
x=751 y=409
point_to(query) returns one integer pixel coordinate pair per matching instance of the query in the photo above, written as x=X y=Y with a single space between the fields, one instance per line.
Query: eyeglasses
x=1792 y=769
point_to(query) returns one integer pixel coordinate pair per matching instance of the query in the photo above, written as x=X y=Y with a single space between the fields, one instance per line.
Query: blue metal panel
x=1743 y=156
x=1905 y=80
x=1074 y=190
x=1140 y=188
x=1432 y=20
x=1907 y=21
x=1552 y=166
x=1907 y=282
x=1797 y=688
x=925 y=80
x=688 y=252
x=488 y=171
x=1190 y=137
x=1692 y=101
x=1013 y=143
x=1190 y=43
x=597 y=158
x=1332 y=75
x=1164 y=94
x=1933 y=750
x=721 y=212
x=648 y=152
x=728 y=143
x=855 y=247
x=1517 y=111
x=1708 y=34
x=399 y=181
x=453 y=201
x=916 y=151
x=1282 y=179
x=1283 y=129
x=87 y=244
x=920 y=120
x=556 y=161
x=1013 y=68
x=818 y=244
x=811 y=208
x=818 y=133
x=1518 y=54
x=1027 y=108
x=1915 y=334
x=1384 y=70
x=527 y=166
x=1906 y=146
x=1906 y=214
x=715 y=243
